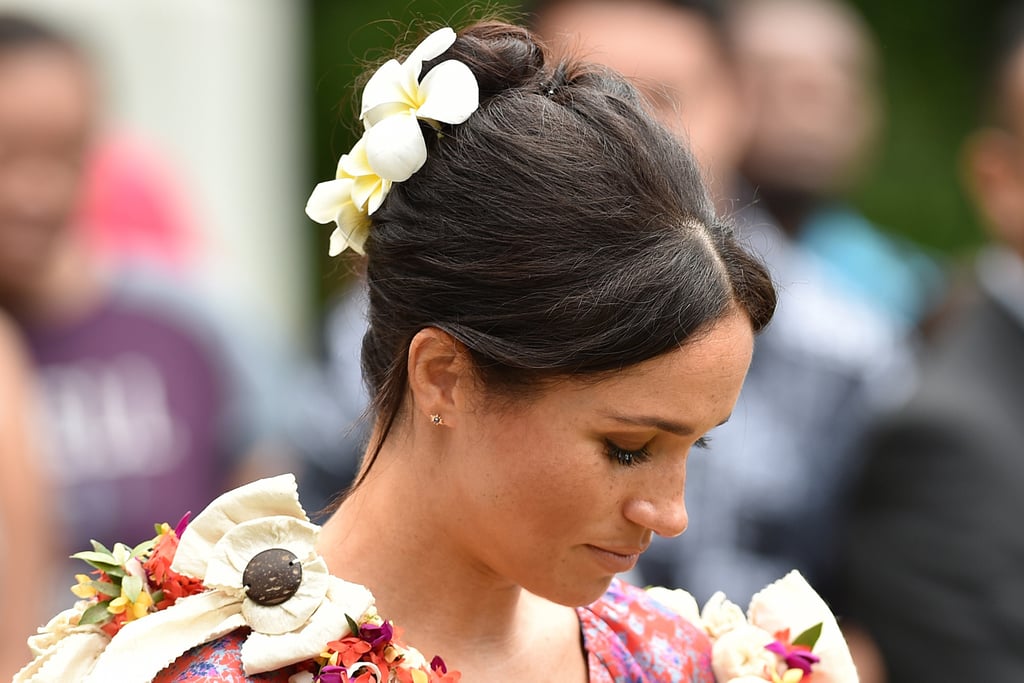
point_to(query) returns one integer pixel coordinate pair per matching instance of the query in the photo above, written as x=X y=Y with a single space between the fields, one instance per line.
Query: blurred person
x=810 y=70
x=770 y=493
x=137 y=394
x=935 y=554
x=132 y=209
x=26 y=556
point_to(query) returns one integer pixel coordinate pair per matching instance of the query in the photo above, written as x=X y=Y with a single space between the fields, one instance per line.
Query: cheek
x=538 y=474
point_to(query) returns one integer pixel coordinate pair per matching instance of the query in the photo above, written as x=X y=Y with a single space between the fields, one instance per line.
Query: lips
x=616 y=560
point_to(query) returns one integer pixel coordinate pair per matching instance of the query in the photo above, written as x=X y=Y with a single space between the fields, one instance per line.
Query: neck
x=392 y=535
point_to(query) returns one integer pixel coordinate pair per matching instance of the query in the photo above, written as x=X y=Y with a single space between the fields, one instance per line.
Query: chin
x=576 y=594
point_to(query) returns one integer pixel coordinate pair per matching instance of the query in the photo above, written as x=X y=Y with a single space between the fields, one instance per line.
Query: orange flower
x=348 y=650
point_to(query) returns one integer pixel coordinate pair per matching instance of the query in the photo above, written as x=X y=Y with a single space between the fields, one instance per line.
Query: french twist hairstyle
x=560 y=231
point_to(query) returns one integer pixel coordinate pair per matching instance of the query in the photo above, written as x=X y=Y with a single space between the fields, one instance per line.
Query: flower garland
x=392 y=147
x=247 y=561
x=757 y=646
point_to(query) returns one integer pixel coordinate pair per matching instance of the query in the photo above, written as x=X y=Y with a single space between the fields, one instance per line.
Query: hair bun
x=501 y=56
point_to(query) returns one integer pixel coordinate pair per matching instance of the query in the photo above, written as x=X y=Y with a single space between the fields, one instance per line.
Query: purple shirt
x=133 y=416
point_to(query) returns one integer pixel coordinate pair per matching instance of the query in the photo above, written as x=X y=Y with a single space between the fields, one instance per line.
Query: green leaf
x=809 y=637
x=92 y=557
x=132 y=586
x=100 y=548
x=97 y=614
x=352 y=625
x=107 y=588
x=113 y=571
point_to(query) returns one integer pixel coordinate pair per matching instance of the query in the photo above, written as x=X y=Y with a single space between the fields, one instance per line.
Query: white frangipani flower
x=392 y=147
x=395 y=100
x=333 y=200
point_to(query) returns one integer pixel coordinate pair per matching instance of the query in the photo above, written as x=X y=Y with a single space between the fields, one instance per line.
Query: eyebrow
x=676 y=428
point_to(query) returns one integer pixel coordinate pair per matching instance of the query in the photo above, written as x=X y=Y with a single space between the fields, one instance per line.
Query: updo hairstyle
x=559 y=232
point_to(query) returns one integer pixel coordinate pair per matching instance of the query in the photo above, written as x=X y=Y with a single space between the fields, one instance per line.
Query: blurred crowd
x=877 y=446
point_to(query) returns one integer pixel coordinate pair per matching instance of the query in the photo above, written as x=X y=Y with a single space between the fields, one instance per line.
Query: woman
x=556 y=317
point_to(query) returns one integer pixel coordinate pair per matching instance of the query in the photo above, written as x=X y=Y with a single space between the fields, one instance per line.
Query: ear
x=994 y=174
x=439 y=369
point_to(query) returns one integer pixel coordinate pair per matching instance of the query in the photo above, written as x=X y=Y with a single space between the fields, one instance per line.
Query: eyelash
x=628 y=458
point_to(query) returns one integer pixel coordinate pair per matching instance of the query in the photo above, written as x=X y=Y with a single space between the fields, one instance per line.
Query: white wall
x=219 y=87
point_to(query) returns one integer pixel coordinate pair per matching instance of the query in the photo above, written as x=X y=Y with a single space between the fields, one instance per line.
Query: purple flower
x=795 y=658
x=377 y=636
x=331 y=673
x=437 y=664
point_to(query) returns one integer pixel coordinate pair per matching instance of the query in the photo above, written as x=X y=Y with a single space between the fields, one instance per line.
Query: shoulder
x=218 y=660
x=634 y=638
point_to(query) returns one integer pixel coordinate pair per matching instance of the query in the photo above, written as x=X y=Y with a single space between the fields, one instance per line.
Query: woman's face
x=560 y=492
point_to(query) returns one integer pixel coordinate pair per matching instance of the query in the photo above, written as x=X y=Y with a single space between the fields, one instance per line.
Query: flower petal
x=792 y=603
x=263 y=498
x=262 y=652
x=679 y=601
x=377 y=198
x=395 y=147
x=432 y=46
x=355 y=163
x=375 y=115
x=232 y=553
x=391 y=83
x=352 y=231
x=364 y=189
x=327 y=197
x=450 y=93
x=296 y=610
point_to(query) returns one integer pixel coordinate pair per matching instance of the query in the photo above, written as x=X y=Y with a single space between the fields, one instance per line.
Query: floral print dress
x=628 y=638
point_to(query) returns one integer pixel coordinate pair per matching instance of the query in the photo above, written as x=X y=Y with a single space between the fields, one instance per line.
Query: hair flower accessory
x=392 y=147
x=758 y=647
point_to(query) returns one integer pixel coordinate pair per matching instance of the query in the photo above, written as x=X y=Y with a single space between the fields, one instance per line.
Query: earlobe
x=437 y=367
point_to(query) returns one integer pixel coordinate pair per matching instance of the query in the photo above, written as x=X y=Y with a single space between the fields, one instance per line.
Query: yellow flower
x=132 y=608
x=84 y=588
x=791 y=676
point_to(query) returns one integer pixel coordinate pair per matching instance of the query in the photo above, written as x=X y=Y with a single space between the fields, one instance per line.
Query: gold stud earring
x=436 y=419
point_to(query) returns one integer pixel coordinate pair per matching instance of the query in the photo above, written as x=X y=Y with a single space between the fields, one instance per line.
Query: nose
x=661 y=508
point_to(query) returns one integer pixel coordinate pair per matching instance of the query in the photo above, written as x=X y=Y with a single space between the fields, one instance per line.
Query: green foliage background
x=932 y=54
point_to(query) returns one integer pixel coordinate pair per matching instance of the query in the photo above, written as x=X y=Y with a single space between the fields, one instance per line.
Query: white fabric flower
x=680 y=602
x=394 y=101
x=791 y=603
x=217 y=548
x=720 y=615
x=741 y=652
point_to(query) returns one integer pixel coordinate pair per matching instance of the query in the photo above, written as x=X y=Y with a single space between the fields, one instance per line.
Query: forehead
x=805 y=32
x=697 y=382
x=641 y=39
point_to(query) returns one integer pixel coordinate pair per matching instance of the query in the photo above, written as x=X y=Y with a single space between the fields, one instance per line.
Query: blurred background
x=248 y=104
x=214 y=120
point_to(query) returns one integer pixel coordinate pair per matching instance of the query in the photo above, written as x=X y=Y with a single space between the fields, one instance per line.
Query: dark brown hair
x=560 y=231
